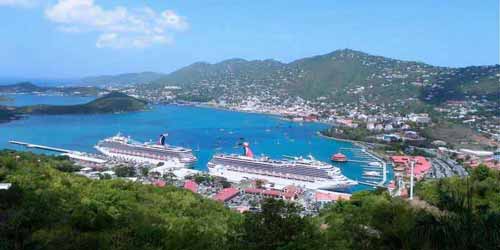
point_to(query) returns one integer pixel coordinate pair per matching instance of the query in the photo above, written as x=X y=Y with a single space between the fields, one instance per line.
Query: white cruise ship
x=124 y=148
x=305 y=173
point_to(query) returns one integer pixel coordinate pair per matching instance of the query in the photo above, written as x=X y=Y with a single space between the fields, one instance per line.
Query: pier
x=367 y=158
x=30 y=145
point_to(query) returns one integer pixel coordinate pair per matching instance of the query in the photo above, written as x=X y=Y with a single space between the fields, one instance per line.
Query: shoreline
x=358 y=143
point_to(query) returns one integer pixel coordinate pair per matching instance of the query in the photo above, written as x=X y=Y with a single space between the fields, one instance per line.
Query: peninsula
x=113 y=102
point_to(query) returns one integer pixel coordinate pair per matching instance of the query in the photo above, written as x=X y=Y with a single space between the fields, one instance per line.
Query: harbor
x=131 y=156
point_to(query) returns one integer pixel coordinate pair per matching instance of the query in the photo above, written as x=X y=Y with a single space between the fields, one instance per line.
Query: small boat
x=374 y=163
x=338 y=157
x=372 y=173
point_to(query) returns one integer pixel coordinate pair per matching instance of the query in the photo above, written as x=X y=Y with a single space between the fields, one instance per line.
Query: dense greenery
x=49 y=209
x=357 y=134
x=110 y=103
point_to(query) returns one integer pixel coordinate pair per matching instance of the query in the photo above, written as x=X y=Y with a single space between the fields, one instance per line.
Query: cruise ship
x=305 y=173
x=124 y=148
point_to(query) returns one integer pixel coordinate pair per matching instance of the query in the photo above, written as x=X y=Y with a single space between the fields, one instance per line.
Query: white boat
x=372 y=173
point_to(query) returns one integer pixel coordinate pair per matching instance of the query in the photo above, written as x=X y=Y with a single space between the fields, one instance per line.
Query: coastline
x=361 y=144
x=357 y=143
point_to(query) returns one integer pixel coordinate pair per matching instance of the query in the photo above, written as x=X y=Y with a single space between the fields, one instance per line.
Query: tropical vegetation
x=46 y=208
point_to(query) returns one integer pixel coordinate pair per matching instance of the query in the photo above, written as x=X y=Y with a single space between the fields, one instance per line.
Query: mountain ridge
x=342 y=75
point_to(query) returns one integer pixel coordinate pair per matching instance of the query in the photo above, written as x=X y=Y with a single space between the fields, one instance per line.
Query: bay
x=205 y=130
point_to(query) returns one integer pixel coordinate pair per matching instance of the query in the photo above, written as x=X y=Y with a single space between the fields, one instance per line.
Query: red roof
x=226 y=194
x=422 y=165
x=320 y=196
x=273 y=193
x=159 y=183
x=191 y=185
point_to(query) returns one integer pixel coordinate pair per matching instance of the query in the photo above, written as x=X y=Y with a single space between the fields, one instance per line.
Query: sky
x=76 y=38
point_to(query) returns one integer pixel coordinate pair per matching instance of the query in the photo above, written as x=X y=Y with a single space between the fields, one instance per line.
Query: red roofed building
x=271 y=193
x=191 y=186
x=159 y=183
x=331 y=196
x=402 y=164
x=226 y=194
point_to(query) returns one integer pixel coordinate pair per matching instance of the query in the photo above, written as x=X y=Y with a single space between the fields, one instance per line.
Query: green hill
x=341 y=76
x=49 y=209
x=110 y=103
x=121 y=79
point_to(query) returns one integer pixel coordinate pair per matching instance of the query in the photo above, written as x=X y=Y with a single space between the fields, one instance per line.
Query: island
x=114 y=102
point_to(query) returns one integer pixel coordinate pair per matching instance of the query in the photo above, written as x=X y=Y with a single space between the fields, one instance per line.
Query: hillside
x=46 y=208
x=121 y=79
x=111 y=103
x=341 y=76
x=22 y=87
x=29 y=88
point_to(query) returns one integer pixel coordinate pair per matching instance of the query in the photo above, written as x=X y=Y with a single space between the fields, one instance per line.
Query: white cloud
x=119 y=27
x=19 y=3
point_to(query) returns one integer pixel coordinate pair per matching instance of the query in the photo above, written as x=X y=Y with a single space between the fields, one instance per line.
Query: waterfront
x=205 y=130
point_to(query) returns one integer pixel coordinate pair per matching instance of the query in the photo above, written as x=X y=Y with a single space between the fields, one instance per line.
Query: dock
x=30 y=145
x=366 y=157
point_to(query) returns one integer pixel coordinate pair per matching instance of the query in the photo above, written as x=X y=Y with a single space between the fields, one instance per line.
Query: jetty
x=48 y=148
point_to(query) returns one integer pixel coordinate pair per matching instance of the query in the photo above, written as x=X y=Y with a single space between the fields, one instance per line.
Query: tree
x=124 y=171
x=169 y=177
x=278 y=226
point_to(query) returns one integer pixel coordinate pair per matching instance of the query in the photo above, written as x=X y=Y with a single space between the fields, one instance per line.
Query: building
x=326 y=197
x=420 y=118
x=402 y=165
x=191 y=186
x=226 y=194
x=271 y=193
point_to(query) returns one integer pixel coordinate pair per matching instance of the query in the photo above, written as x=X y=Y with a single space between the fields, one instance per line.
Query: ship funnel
x=161 y=141
x=246 y=150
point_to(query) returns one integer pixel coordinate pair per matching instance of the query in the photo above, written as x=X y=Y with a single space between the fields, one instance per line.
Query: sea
x=205 y=130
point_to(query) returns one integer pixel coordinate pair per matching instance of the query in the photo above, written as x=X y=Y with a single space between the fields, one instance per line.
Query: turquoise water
x=204 y=130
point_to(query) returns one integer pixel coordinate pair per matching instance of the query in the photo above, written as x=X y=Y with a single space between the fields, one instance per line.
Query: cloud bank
x=118 y=27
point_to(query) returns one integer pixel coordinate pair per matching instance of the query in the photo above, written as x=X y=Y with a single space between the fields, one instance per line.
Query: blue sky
x=73 y=38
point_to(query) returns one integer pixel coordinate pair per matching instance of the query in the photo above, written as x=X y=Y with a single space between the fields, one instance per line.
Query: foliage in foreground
x=49 y=209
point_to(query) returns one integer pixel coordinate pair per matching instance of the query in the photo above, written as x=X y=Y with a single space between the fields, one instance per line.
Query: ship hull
x=139 y=159
x=279 y=183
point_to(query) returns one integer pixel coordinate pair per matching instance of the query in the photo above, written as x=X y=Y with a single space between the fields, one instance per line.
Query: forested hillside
x=341 y=76
x=49 y=209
